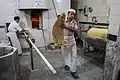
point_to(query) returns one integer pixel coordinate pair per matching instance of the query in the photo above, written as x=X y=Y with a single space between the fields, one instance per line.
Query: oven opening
x=36 y=19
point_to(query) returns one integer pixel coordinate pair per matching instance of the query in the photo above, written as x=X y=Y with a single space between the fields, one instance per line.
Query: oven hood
x=32 y=8
x=33 y=4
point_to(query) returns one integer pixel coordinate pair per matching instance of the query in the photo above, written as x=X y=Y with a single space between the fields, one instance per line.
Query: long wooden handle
x=44 y=59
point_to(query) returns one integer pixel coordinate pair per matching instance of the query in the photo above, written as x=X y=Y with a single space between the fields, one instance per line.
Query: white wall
x=33 y=4
x=99 y=9
x=11 y=9
x=2 y=13
x=114 y=18
x=7 y=11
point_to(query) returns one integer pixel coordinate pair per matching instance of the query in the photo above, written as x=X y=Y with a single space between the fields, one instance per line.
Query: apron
x=15 y=41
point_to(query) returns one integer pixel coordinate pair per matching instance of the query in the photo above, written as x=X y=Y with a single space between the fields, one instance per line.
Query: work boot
x=67 y=68
x=75 y=75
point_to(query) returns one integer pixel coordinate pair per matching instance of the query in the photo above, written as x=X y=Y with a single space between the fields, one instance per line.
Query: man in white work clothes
x=69 y=51
x=12 y=30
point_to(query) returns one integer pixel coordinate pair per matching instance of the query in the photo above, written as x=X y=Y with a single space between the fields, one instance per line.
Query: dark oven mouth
x=36 y=19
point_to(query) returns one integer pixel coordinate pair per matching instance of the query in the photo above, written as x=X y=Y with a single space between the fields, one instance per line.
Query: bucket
x=9 y=63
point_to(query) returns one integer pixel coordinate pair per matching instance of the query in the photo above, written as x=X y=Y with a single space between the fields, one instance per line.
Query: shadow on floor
x=24 y=73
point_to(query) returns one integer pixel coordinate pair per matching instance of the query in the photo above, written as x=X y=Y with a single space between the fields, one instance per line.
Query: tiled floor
x=90 y=68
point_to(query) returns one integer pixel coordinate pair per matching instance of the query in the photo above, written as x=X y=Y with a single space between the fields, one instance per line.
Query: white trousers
x=70 y=56
x=15 y=41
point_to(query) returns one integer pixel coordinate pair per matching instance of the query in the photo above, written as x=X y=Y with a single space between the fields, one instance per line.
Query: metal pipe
x=54 y=7
x=86 y=22
x=44 y=59
x=31 y=55
x=44 y=38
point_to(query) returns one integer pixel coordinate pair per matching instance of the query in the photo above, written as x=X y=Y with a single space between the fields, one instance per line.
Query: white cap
x=72 y=10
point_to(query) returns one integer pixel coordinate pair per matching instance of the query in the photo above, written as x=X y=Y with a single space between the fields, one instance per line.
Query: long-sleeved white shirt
x=71 y=24
x=14 y=27
x=68 y=35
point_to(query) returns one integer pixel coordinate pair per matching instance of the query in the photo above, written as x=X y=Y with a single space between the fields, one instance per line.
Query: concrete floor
x=90 y=69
